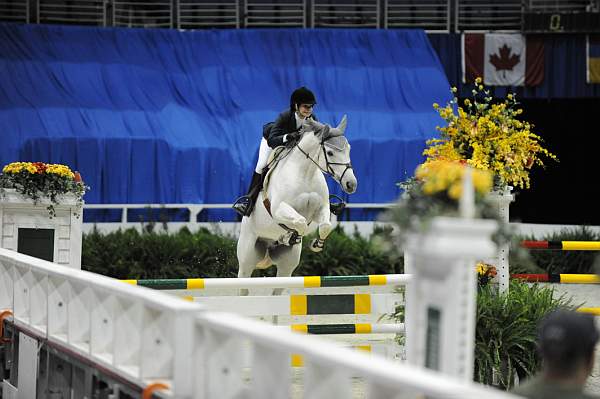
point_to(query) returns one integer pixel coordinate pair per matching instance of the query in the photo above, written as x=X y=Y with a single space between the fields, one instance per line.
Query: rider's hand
x=292 y=138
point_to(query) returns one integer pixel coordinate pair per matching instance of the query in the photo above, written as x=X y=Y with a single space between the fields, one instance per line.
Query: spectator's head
x=566 y=342
x=302 y=101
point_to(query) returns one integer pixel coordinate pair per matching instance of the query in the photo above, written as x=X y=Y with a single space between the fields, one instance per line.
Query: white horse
x=299 y=201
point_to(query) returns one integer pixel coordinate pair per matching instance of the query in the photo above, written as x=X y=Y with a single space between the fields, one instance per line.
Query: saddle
x=277 y=155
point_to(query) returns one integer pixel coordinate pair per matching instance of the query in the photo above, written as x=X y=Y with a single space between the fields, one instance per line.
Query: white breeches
x=263 y=155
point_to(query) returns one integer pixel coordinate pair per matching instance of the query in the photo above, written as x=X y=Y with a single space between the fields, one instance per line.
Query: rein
x=329 y=171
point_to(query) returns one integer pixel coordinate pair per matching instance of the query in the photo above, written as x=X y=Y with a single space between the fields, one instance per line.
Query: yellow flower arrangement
x=436 y=190
x=488 y=136
x=443 y=176
x=38 y=179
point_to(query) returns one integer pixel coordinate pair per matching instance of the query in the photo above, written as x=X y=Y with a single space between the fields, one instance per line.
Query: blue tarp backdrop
x=162 y=116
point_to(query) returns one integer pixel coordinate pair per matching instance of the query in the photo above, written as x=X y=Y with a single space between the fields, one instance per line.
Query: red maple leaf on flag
x=505 y=61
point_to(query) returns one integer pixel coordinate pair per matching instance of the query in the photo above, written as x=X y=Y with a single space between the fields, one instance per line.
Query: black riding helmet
x=302 y=96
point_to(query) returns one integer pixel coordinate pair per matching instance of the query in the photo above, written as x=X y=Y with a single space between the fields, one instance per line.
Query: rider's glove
x=292 y=138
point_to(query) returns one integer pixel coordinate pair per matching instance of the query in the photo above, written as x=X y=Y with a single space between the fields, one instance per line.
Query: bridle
x=328 y=165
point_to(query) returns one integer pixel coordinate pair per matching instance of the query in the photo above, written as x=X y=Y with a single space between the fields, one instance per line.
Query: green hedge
x=130 y=254
x=150 y=255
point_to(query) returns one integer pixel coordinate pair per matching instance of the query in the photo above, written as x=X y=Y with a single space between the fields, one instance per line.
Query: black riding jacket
x=285 y=123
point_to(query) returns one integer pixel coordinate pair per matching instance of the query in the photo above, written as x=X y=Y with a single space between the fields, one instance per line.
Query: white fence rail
x=145 y=336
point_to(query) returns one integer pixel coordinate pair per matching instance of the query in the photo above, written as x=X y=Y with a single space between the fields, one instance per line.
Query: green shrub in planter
x=506 y=330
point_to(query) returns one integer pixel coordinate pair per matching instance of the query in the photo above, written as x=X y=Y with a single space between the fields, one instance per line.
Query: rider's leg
x=245 y=204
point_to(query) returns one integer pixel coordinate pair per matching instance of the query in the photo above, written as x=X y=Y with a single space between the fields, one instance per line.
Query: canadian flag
x=503 y=59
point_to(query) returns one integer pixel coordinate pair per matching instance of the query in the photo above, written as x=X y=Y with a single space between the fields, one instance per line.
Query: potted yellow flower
x=436 y=191
x=488 y=135
x=39 y=182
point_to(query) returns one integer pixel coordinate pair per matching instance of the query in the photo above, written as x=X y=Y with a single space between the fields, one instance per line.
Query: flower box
x=40 y=212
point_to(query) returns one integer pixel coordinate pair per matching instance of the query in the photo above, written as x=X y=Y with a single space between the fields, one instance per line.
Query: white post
x=502 y=202
x=441 y=300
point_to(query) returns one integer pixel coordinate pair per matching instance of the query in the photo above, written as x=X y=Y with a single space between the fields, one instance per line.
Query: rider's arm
x=279 y=130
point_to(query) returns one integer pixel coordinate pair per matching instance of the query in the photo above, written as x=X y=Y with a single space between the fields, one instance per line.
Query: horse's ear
x=313 y=125
x=339 y=130
x=343 y=123
x=316 y=127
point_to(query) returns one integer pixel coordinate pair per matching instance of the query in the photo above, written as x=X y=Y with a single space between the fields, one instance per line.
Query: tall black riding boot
x=245 y=204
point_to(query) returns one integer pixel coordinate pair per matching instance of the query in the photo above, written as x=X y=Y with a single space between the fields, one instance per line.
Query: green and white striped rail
x=274 y=282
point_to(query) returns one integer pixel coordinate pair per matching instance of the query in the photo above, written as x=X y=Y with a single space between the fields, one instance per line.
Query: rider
x=284 y=131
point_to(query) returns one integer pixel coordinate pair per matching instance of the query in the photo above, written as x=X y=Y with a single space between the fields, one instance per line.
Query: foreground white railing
x=136 y=333
x=327 y=373
x=146 y=336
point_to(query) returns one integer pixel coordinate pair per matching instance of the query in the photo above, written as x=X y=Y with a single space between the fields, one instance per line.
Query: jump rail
x=144 y=336
x=563 y=245
x=558 y=278
x=273 y=282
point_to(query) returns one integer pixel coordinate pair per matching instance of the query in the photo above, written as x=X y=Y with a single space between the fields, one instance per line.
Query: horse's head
x=334 y=156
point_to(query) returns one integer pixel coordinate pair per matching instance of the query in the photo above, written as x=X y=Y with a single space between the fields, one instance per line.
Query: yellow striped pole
x=273 y=282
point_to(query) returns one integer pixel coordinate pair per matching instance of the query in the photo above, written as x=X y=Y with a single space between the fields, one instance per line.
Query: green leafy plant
x=506 y=329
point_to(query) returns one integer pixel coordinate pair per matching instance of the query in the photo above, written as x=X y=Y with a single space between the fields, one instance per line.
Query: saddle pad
x=276 y=155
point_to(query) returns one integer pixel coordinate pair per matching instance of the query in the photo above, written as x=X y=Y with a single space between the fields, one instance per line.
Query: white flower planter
x=19 y=216
x=441 y=299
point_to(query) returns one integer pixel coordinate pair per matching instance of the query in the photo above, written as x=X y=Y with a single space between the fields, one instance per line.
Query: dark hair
x=302 y=96
x=566 y=340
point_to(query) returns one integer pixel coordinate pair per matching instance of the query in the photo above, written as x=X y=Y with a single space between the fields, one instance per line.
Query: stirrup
x=242 y=205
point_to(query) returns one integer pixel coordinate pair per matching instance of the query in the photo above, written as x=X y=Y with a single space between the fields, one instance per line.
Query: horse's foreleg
x=244 y=272
x=325 y=228
x=288 y=216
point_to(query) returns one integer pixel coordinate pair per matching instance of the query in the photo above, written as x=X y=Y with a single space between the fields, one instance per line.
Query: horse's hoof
x=317 y=245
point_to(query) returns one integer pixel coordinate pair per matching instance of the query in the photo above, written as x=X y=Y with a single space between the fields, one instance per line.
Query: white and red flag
x=503 y=59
